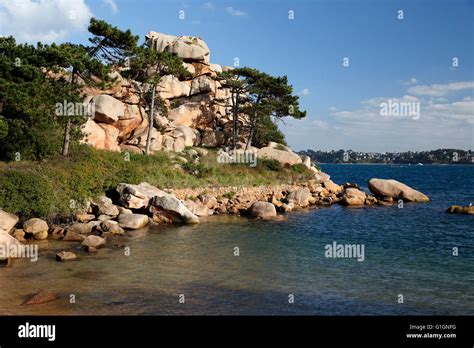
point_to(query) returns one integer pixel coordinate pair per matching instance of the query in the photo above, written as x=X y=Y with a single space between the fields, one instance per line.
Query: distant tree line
x=440 y=156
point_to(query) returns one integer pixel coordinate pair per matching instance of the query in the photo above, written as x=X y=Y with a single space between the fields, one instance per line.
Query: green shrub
x=270 y=164
x=26 y=194
x=42 y=189
x=299 y=168
x=229 y=195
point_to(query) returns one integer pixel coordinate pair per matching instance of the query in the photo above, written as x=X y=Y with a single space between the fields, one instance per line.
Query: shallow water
x=408 y=251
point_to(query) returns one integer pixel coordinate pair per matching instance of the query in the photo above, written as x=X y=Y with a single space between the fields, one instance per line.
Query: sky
x=348 y=60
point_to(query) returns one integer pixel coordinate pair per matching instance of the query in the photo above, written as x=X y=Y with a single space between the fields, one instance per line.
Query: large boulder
x=140 y=139
x=107 y=109
x=112 y=227
x=282 y=154
x=103 y=206
x=300 y=196
x=7 y=221
x=274 y=145
x=212 y=138
x=73 y=236
x=353 y=196
x=320 y=177
x=306 y=161
x=186 y=114
x=189 y=135
x=216 y=68
x=37 y=227
x=101 y=136
x=262 y=209
x=93 y=242
x=133 y=117
x=198 y=208
x=137 y=196
x=170 y=204
x=176 y=144
x=9 y=246
x=171 y=87
x=396 y=190
x=332 y=187
x=133 y=221
x=81 y=228
x=203 y=84
x=189 y=48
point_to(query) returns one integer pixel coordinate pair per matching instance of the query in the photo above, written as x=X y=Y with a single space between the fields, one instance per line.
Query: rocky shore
x=133 y=207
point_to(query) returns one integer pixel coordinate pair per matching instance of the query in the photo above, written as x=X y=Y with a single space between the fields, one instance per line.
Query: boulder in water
x=396 y=190
x=262 y=209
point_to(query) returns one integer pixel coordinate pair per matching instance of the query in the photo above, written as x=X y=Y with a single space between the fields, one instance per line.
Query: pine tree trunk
x=235 y=121
x=67 y=129
x=67 y=137
x=150 y=126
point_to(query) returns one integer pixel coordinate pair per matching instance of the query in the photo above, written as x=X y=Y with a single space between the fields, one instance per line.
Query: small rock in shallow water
x=72 y=236
x=111 y=227
x=65 y=256
x=132 y=221
x=456 y=209
x=93 y=242
x=41 y=297
x=262 y=209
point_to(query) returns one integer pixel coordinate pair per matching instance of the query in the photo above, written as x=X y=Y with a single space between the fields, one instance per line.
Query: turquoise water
x=408 y=251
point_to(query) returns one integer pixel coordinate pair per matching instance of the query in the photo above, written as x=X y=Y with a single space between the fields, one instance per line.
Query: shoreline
x=134 y=207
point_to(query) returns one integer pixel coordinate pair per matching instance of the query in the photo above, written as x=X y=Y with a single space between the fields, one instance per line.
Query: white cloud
x=411 y=81
x=439 y=90
x=234 y=12
x=320 y=124
x=113 y=6
x=305 y=92
x=42 y=20
x=209 y=6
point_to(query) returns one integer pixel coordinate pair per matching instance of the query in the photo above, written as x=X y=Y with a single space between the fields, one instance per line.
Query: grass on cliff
x=59 y=186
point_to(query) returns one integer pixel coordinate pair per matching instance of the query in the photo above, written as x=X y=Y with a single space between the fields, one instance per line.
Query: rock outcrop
x=169 y=206
x=189 y=48
x=132 y=221
x=262 y=210
x=353 y=196
x=457 y=209
x=37 y=227
x=7 y=221
x=396 y=190
x=7 y=243
x=118 y=123
x=281 y=153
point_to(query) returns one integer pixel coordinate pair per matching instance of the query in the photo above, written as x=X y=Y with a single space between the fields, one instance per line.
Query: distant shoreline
x=398 y=164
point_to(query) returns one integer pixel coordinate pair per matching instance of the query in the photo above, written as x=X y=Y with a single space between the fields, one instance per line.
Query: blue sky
x=407 y=60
